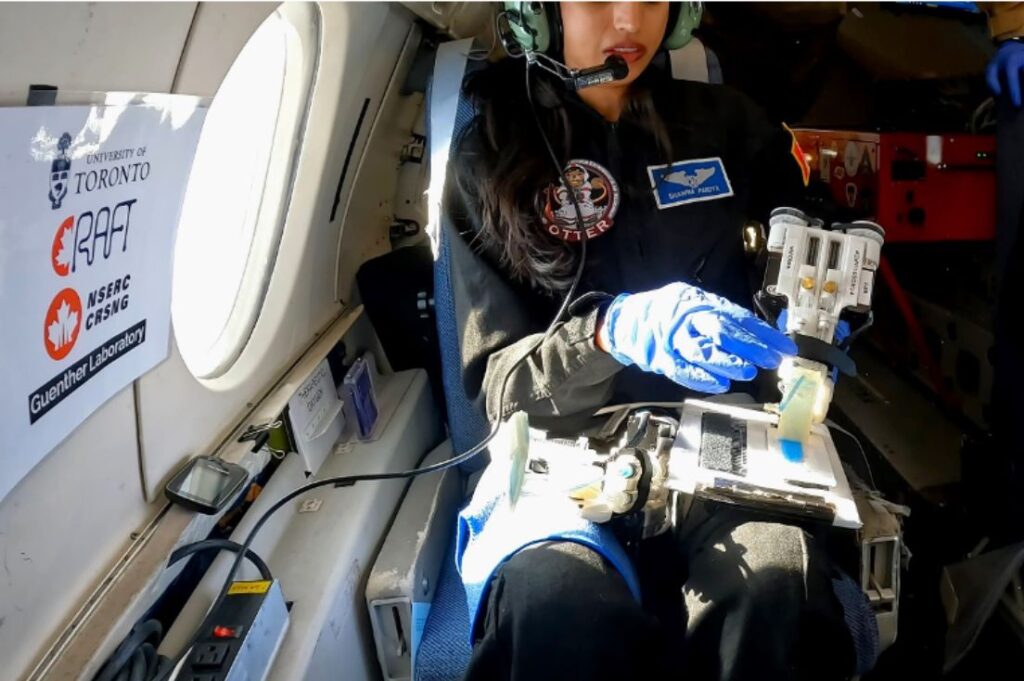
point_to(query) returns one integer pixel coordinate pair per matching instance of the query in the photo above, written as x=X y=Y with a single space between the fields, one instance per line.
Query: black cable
x=858 y=332
x=220 y=545
x=135 y=659
x=641 y=430
x=759 y=304
x=348 y=481
x=863 y=454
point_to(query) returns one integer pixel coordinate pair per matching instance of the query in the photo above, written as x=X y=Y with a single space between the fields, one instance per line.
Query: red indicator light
x=225 y=632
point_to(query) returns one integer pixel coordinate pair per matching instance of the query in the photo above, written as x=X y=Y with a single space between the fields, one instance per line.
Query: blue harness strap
x=444 y=98
x=448 y=115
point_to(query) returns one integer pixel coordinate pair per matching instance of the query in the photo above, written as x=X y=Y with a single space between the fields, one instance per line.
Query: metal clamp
x=260 y=435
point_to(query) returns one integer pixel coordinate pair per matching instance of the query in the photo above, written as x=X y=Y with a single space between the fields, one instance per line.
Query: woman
x=664 y=174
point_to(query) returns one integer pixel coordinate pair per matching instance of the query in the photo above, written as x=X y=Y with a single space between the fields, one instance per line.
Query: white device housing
x=820 y=474
x=821 y=272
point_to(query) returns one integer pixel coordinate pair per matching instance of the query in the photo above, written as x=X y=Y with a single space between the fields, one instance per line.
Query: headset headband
x=537 y=26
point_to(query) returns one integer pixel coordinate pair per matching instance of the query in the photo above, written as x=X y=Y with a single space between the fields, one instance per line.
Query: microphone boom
x=613 y=68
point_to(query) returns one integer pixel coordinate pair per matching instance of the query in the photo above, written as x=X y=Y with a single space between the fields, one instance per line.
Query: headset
x=536 y=27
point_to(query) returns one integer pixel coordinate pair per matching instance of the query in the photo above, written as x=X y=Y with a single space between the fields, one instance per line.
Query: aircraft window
x=238 y=192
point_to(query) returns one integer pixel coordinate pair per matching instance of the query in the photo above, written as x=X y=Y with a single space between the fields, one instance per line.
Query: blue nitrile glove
x=699 y=340
x=1006 y=65
x=842 y=332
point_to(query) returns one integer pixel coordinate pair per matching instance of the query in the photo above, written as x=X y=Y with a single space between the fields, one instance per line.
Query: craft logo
x=59 y=170
x=91 y=237
x=597 y=198
x=62 y=324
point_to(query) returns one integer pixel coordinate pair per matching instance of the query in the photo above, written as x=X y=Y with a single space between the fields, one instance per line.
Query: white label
x=867 y=285
x=316 y=416
x=933 y=152
x=89 y=204
x=311 y=505
x=852 y=155
x=856 y=262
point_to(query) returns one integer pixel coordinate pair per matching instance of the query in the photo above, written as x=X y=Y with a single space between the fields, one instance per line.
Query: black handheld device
x=206 y=484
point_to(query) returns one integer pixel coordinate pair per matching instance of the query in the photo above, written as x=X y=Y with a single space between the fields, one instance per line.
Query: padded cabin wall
x=375 y=181
x=219 y=32
x=63 y=526
x=90 y=46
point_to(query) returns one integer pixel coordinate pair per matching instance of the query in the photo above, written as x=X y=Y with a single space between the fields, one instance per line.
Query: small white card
x=316 y=416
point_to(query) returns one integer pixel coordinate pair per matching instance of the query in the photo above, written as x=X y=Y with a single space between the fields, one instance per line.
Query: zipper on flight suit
x=615 y=168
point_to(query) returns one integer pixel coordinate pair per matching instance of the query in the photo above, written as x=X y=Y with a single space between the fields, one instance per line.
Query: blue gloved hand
x=1007 y=65
x=699 y=340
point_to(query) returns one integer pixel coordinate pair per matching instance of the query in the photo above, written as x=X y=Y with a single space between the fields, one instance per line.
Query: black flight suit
x=758 y=600
x=698 y=243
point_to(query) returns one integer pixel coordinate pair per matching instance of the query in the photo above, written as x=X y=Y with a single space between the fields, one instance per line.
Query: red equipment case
x=918 y=187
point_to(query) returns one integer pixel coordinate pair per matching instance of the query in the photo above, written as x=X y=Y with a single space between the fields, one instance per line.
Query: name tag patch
x=702 y=179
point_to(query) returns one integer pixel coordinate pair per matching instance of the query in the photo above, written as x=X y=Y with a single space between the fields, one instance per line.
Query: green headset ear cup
x=533 y=30
x=688 y=20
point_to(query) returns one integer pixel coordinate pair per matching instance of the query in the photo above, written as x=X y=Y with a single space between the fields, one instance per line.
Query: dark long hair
x=510 y=166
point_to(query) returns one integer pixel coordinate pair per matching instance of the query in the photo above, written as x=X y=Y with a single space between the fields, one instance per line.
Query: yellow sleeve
x=1005 y=19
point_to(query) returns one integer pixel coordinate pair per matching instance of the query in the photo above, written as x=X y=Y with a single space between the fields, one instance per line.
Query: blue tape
x=792 y=450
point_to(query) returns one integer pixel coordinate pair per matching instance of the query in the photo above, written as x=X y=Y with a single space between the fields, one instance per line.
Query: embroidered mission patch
x=597 y=196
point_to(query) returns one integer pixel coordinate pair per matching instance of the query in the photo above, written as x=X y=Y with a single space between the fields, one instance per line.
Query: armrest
x=401 y=584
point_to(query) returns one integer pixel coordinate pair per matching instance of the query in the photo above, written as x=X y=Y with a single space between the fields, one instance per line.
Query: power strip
x=244 y=637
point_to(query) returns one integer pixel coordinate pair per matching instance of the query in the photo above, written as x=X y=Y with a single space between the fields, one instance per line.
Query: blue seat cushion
x=444 y=651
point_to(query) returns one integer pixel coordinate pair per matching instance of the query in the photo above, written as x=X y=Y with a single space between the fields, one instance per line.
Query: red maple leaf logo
x=62 y=252
x=62 y=324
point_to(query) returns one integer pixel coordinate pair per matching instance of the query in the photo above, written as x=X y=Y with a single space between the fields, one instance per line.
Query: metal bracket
x=259 y=435
x=41 y=95
x=414 y=150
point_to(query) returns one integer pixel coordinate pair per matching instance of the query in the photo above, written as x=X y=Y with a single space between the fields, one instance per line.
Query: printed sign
x=89 y=205
x=316 y=417
x=682 y=182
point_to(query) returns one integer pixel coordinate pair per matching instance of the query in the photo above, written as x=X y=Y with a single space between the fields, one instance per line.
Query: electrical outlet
x=210 y=654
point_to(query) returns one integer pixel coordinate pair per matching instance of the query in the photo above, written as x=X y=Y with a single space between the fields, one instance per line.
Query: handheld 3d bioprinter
x=781 y=458
x=817 y=274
